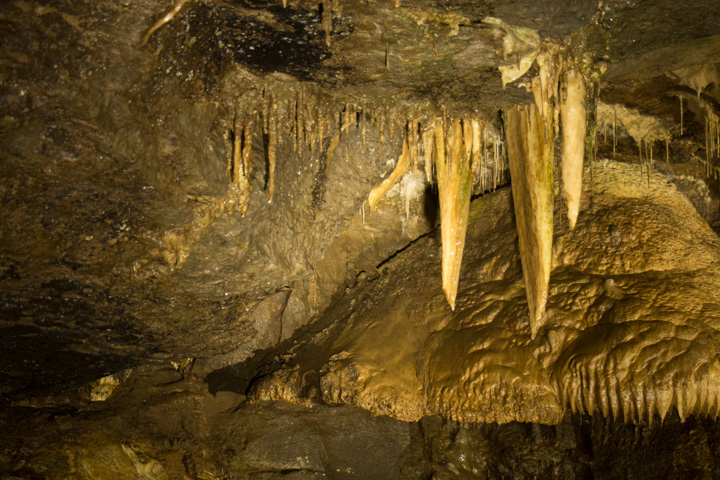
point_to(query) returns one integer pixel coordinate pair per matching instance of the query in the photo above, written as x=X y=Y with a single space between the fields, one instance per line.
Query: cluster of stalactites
x=644 y=129
x=712 y=137
x=699 y=77
x=561 y=99
x=453 y=152
x=711 y=117
x=296 y=115
x=560 y=106
x=647 y=130
x=591 y=391
x=458 y=153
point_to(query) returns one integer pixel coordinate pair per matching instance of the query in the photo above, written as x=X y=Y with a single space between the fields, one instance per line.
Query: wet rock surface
x=122 y=241
x=631 y=315
x=193 y=286
x=161 y=423
x=122 y=236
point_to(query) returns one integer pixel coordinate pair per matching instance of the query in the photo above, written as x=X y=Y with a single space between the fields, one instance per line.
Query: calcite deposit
x=632 y=312
x=359 y=239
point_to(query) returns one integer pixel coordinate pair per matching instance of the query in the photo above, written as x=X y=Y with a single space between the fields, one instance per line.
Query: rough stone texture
x=122 y=239
x=579 y=447
x=123 y=242
x=632 y=315
x=161 y=424
x=322 y=442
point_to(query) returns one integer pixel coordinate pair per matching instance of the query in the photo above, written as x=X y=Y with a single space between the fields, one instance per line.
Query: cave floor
x=162 y=423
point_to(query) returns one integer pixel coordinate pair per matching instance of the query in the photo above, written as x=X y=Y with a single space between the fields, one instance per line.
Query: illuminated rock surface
x=208 y=205
x=632 y=313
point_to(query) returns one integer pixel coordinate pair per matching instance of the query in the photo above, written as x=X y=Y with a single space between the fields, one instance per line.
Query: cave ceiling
x=190 y=179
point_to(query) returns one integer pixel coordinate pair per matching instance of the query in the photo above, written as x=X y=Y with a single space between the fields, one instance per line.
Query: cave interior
x=374 y=239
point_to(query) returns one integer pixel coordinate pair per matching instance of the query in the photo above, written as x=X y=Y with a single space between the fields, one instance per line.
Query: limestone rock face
x=161 y=426
x=632 y=314
x=326 y=442
x=210 y=205
x=98 y=456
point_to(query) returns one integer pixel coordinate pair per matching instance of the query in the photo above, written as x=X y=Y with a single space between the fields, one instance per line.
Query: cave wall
x=200 y=194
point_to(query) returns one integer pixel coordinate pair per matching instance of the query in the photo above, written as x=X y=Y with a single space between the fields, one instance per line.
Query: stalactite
x=681 y=116
x=574 y=126
x=708 y=147
x=236 y=152
x=595 y=148
x=248 y=131
x=476 y=148
x=467 y=138
x=266 y=109
x=428 y=145
x=496 y=165
x=364 y=129
x=545 y=85
x=380 y=120
x=346 y=127
x=530 y=154
x=302 y=108
x=240 y=165
x=309 y=133
x=320 y=127
x=454 y=177
x=403 y=165
x=648 y=160
x=295 y=124
x=326 y=20
x=412 y=136
x=503 y=160
x=604 y=130
x=165 y=18
x=483 y=176
x=332 y=146
x=392 y=125
x=272 y=145
x=652 y=159
x=529 y=134
x=614 y=131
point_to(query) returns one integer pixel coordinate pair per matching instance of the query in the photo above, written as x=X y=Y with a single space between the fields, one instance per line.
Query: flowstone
x=631 y=316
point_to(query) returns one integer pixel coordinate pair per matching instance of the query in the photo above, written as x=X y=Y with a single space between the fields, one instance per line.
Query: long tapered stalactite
x=454 y=178
x=529 y=144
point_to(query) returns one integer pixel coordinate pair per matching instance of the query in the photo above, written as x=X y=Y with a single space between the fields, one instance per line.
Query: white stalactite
x=573 y=115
